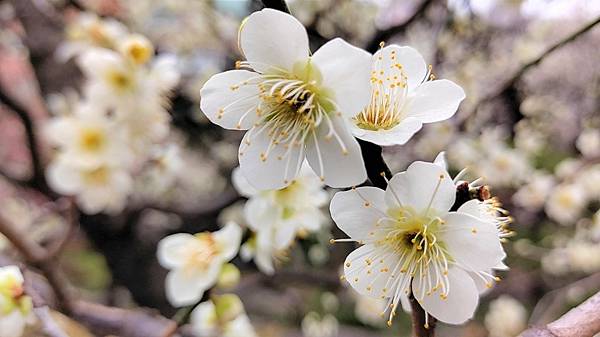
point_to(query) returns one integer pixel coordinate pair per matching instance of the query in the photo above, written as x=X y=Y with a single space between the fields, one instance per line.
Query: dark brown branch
x=385 y=34
x=510 y=83
x=421 y=327
x=377 y=169
x=279 y=5
x=581 y=321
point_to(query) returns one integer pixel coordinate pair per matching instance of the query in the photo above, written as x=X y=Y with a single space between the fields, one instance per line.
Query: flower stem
x=421 y=326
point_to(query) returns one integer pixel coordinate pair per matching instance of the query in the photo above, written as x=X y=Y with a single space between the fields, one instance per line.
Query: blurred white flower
x=583 y=256
x=589 y=179
x=506 y=317
x=533 y=194
x=567 y=168
x=314 y=325
x=368 y=310
x=195 y=261
x=403 y=97
x=96 y=188
x=566 y=202
x=223 y=316
x=412 y=242
x=15 y=306
x=89 y=31
x=588 y=143
x=504 y=166
x=293 y=103
x=278 y=216
x=137 y=48
x=435 y=137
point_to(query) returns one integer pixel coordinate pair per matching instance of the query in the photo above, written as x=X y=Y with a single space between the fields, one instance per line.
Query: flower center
x=98 y=176
x=91 y=140
x=199 y=253
x=120 y=80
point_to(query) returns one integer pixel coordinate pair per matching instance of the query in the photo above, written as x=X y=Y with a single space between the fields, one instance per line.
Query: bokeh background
x=530 y=125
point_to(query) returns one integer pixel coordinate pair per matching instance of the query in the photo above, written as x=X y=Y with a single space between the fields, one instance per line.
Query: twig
x=581 y=321
x=377 y=169
x=38 y=180
x=48 y=323
x=382 y=35
x=519 y=73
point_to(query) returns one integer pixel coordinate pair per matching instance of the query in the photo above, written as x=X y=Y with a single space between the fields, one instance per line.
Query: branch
x=382 y=35
x=519 y=73
x=581 y=321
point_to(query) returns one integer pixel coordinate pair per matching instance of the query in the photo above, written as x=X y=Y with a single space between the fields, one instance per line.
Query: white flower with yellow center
x=292 y=103
x=566 y=203
x=412 y=242
x=15 y=306
x=278 y=216
x=404 y=96
x=222 y=316
x=102 y=188
x=195 y=261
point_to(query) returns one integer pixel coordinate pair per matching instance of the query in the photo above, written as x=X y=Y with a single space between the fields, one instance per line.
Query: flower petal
x=460 y=303
x=368 y=269
x=266 y=165
x=335 y=157
x=241 y=184
x=357 y=211
x=228 y=102
x=184 y=287
x=472 y=242
x=169 y=252
x=435 y=101
x=423 y=185
x=228 y=238
x=271 y=38
x=412 y=63
x=345 y=70
x=398 y=135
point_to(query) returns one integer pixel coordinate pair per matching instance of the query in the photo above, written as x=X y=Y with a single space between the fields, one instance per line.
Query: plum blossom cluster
x=16 y=308
x=119 y=127
x=278 y=217
x=413 y=242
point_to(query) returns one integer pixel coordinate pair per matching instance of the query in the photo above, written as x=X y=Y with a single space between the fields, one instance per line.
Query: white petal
x=271 y=38
x=398 y=135
x=185 y=287
x=204 y=318
x=261 y=214
x=338 y=161
x=284 y=236
x=346 y=71
x=440 y=160
x=461 y=302
x=164 y=72
x=277 y=170
x=225 y=99
x=169 y=251
x=356 y=211
x=12 y=324
x=63 y=178
x=422 y=186
x=228 y=238
x=96 y=62
x=241 y=184
x=413 y=64
x=483 y=285
x=368 y=269
x=435 y=101
x=471 y=242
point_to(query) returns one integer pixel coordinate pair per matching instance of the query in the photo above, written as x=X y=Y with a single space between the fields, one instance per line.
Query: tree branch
x=382 y=35
x=581 y=321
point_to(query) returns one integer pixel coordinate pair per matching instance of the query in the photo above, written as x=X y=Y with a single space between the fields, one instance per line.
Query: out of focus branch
x=37 y=178
x=382 y=35
x=510 y=83
x=581 y=321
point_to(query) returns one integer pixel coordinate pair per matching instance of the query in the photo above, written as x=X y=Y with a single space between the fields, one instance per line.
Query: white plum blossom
x=412 y=242
x=223 y=316
x=534 y=193
x=15 y=306
x=313 y=325
x=96 y=188
x=195 y=261
x=588 y=143
x=278 y=216
x=404 y=96
x=293 y=104
x=566 y=202
x=506 y=317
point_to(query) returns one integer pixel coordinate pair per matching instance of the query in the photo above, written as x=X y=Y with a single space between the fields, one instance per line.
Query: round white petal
x=357 y=211
x=226 y=106
x=273 y=39
x=413 y=64
x=374 y=283
x=241 y=184
x=228 y=238
x=422 y=186
x=169 y=251
x=186 y=287
x=398 y=135
x=435 y=101
x=345 y=70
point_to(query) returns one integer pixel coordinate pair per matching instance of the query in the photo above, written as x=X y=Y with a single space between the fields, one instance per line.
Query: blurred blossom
x=318 y=254
x=567 y=168
x=566 y=202
x=588 y=143
x=506 y=317
x=195 y=261
x=434 y=139
x=532 y=196
x=313 y=325
x=368 y=310
x=589 y=179
x=15 y=306
x=277 y=217
x=221 y=316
